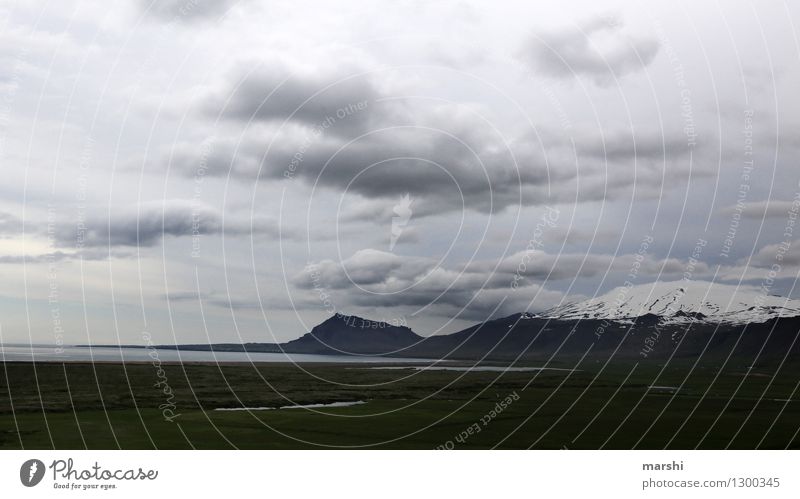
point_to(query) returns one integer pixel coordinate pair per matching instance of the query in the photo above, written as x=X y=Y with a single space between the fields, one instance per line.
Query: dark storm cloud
x=147 y=224
x=486 y=174
x=336 y=100
x=464 y=304
x=422 y=161
x=575 y=51
x=426 y=164
x=372 y=278
x=445 y=159
x=338 y=128
x=341 y=133
x=417 y=282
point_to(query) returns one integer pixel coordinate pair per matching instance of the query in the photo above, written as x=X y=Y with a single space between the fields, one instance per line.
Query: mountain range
x=682 y=302
x=649 y=321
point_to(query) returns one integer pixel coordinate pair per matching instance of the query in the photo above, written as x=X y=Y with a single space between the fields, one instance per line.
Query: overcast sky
x=239 y=170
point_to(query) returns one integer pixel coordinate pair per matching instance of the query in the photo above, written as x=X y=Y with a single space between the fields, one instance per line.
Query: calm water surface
x=44 y=353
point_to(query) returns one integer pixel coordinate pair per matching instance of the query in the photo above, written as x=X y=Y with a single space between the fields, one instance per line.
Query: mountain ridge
x=650 y=321
x=681 y=302
x=351 y=334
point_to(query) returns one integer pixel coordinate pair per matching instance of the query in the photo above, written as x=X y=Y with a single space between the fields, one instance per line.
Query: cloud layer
x=147 y=224
x=597 y=49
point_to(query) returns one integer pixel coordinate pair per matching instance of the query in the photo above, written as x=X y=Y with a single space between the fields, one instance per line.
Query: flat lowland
x=616 y=406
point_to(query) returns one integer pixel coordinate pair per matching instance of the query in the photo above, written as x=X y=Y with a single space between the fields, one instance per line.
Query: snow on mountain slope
x=682 y=301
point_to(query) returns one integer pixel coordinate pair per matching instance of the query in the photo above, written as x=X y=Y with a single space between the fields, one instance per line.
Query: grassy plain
x=113 y=405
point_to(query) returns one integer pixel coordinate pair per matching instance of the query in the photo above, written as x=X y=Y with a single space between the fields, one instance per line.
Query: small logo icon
x=31 y=472
x=402 y=211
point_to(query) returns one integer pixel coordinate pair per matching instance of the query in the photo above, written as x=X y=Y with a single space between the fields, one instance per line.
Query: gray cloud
x=447 y=160
x=164 y=75
x=575 y=51
x=181 y=296
x=445 y=155
x=615 y=145
x=215 y=299
x=59 y=256
x=10 y=225
x=787 y=255
x=763 y=209
x=429 y=161
x=336 y=101
x=373 y=278
x=541 y=266
x=147 y=224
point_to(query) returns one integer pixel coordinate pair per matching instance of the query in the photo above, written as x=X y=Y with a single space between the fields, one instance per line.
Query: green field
x=110 y=406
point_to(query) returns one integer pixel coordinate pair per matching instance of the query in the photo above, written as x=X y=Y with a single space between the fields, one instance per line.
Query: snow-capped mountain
x=682 y=301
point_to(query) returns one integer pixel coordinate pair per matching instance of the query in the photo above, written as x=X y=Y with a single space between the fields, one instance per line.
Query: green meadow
x=620 y=406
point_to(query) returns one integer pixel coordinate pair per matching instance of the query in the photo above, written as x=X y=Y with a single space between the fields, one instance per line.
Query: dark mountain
x=681 y=319
x=658 y=321
x=645 y=337
x=522 y=336
x=348 y=334
x=338 y=335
